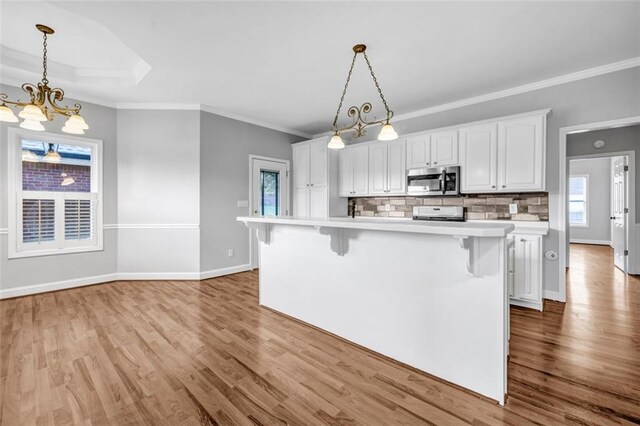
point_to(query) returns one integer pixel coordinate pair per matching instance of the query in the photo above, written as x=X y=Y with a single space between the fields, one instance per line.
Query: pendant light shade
x=7 y=115
x=29 y=156
x=75 y=125
x=387 y=133
x=67 y=180
x=336 y=142
x=32 y=125
x=32 y=112
x=52 y=156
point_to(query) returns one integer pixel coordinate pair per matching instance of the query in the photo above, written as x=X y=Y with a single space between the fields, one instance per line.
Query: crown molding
x=295 y=132
x=525 y=88
x=158 y=106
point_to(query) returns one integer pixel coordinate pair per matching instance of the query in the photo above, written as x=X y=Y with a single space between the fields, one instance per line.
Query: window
x=54 y=194
x=578 y=203
x=269 y=192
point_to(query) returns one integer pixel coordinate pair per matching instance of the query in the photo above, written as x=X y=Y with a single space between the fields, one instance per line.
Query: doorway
x=268 y=193
x=599 y=205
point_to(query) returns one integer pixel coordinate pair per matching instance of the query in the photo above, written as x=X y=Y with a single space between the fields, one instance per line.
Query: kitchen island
x=432 y=295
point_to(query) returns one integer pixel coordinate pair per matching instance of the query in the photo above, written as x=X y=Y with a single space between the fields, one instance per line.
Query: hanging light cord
x=44 y=60
x=344 y=91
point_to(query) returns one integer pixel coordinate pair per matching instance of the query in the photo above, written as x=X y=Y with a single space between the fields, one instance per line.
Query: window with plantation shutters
x=57 y=203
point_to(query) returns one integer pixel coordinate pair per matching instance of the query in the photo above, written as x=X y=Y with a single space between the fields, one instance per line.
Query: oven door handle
x=443 y=178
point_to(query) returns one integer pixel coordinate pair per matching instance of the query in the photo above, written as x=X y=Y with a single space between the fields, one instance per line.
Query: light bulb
x=7 y=115
x=32 y=112
x=52 y=156
x=32 y=125
x=336 y=142
x=387 y=133
x=77 y=122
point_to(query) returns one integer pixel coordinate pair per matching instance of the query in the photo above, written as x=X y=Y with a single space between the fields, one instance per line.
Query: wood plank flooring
x=204 y=353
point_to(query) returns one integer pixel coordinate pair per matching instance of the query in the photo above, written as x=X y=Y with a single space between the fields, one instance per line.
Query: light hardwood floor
x=172 y=353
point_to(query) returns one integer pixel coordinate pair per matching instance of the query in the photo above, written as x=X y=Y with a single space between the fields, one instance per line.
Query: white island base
x=430 y=295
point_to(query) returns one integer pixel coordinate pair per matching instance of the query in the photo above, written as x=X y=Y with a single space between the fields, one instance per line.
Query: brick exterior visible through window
x=45 y=176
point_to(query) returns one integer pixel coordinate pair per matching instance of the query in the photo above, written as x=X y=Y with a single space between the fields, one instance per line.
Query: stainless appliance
x=440 y=213
x=433 y=181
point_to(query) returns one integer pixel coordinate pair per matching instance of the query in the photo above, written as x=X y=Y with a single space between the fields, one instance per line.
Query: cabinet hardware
x=428 y=164
x=493 y=186
x=435 y=162
x=504 y=186
x=522 y=240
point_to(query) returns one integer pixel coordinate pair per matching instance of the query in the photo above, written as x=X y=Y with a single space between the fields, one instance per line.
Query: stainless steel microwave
x=433 y=181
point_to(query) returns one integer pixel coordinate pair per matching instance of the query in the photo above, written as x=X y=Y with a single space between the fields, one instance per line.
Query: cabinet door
x=300 y=166
x=318 y=199
x=419 y=151
x=528 y=267
x=378 y=168
x=301 y=202
x=396 y=168
x=346 y=172
x=444 y=148
x=521 y=154
x=478 y=158
x=318 y=163
x=361 y=170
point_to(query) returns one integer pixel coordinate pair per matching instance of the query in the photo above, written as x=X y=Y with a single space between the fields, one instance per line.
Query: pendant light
x=359 y=115
x=52 y=156
x=43 y=101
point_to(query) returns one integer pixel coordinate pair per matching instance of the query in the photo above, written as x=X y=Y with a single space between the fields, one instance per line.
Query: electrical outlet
x=230 y=253
x=513 y=209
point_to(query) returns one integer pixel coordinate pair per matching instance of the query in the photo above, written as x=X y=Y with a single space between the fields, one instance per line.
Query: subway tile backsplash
x=532 y=206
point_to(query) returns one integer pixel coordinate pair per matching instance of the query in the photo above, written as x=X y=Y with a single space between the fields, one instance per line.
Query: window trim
x=15 y=192
x=586 y=201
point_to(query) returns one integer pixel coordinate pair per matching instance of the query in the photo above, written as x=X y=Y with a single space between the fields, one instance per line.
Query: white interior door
x=619 y=213
x=269 y=193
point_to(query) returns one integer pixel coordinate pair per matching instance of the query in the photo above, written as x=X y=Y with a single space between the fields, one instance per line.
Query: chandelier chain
x=375 y=80
x=44 y=61
x=344 y=91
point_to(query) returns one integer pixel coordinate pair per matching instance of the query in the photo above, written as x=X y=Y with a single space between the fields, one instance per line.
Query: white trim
x=205 y=275
x=553 y=295
x=130 y=276
x=587 y=241
x=525 y=88
x=159 y=106
x=153 y=226
x=526 y=304
x=561 y=197
x=57 y=285
x=237 y=117
x=4 y=231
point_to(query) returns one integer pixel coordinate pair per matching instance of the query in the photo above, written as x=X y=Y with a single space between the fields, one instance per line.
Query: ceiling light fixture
x=359 y=115
x=52 y=156
x=36 y=110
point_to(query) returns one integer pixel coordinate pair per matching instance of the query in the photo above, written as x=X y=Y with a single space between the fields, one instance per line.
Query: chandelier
x=43 y=103
x=359 y=115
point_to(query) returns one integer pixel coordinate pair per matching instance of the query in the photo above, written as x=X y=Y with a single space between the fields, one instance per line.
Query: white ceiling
x=284 y=63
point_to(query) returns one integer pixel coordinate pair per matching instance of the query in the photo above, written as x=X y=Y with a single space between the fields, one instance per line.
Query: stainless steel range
x=439 y=213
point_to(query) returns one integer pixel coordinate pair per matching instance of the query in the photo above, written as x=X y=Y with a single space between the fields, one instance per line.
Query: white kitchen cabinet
x=444 y=148
x=315 y=180
x=478 y=158
x=521 y=154
x=433 y=150
x=525 y=269
x=354 y=171
x=387 y=168
x=419 y=151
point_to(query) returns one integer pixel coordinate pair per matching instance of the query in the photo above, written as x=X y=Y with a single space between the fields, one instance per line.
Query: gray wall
x=48 y=269
x=620 y=139
x=224 y=179
x=158 y=195
x=598 y=199
x=605 y=97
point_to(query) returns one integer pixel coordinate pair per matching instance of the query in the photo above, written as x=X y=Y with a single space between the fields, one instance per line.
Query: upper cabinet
x=507 y=156
x=354 y=171
x=521 y=154
x=433 y=150
x=387 y=168
x=478 y=158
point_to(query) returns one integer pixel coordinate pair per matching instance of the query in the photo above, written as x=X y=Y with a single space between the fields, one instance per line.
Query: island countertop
x=471 y=229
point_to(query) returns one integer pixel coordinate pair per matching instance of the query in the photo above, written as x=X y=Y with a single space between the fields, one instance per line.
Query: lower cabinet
x=524 y=270
x=311 y=202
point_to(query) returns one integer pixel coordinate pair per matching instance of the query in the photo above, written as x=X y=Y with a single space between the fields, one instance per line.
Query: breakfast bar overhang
x=430 y=295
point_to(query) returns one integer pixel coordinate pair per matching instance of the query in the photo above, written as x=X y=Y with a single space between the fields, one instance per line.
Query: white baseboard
x=224 y=271
x=126 y=276
x=58 y=285
x=552 y=295
x=526 y=304
x=595 y=242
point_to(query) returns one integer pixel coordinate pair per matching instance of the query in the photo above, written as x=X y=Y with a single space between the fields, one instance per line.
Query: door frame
x=631 y=196
x=252 y=158
x=562 y=201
